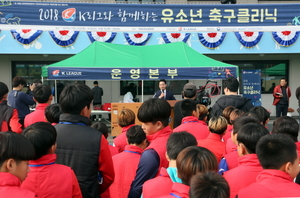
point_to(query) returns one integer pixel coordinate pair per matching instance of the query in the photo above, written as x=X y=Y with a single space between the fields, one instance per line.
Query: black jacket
x=78 y=146
x=169 y=95
x=237 y=101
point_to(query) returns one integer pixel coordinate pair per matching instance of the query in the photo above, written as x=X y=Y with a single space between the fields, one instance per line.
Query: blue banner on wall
x=148 y=17
x=184 y=73
x=252 y=85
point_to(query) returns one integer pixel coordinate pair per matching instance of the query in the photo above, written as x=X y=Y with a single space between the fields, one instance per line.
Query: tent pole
x=55 y=91
x=142 y=90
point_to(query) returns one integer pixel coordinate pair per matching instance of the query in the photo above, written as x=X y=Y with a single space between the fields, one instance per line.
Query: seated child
x=203 y=113
x=154 y=114
x=101 y=127
x=278 y=156
x=230 y=160
x=46 y=178
x=190 y=121
x=9 y=120
x=52 y=113
x=125 y=119
x=217 y=127
x=233 y=115
x=126 y=162
x=262 y=113
x=209 y=185
x=162 y=184
x=15 y=153
x=249 y=167
x=189 y=162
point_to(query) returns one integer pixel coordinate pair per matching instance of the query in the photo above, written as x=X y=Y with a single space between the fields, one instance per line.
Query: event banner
x=252 y=85
x=148 y=17
x=183 y=73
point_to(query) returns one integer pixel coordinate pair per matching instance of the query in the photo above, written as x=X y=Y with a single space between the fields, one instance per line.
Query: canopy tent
x=106 y=61
x=277 y=70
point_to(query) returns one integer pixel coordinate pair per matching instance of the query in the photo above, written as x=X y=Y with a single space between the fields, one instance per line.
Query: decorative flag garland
x=212 y=40
x=175 y=37
x=64 y=38
x=285 y=38
x=249 y=39
x=26 y=36
x=102 y=36
x=137 y=39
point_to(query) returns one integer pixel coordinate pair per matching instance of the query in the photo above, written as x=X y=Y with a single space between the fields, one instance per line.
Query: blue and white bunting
x=175 y=37
x=285 y=38
x=107 y=37
x=249 y=39
x=64 y=38
x=26 y=36
x=212 y=40
x=138 y=38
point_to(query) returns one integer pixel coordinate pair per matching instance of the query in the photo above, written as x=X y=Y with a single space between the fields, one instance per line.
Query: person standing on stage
x=163 y=93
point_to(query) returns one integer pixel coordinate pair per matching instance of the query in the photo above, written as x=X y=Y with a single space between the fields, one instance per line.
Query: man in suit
x=163 y=93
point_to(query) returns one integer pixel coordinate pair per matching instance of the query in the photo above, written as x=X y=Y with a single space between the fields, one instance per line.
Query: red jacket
x=51 y=180
x=230 y=146
x=158 y=142
x=178 y=190
x=271 y=183
x=14 y=124
x=10 y=187
x=243 y=175
x=37 y=116
x=121 y=140
x=232 y=159
x=277 y=97
x=158 y=186
x=298 y=149
x=214 y=144
x=125 y=166
x=228 y=133
x=194 y=126
x=113 y=150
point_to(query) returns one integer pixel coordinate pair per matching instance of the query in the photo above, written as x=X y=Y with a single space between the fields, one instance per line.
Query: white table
x=101 y=112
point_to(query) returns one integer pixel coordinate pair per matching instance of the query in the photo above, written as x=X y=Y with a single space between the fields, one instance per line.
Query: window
x=271 y=72
x=150 y=87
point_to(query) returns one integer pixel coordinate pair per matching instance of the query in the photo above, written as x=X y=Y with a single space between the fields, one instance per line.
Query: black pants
x=281 y=110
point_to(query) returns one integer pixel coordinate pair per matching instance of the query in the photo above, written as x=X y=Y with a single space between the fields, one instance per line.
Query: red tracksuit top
x=125 y=166
x=14 y=124
x=298 y=149
x=10 y=187
x=37 y=116
x=271 y=183
x=121 y=141
x=232 y=159
x=214 y=144
x=194 y=126
x=178 y=190
x=158 y=186
x=243 y=175
x=51 y=180
x=228 y=133
x=158 y=142
x=230 y=146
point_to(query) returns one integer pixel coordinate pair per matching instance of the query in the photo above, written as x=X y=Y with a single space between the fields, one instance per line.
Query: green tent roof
x=107 y=55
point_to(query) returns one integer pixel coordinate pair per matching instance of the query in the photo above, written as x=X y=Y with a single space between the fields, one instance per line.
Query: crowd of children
x=61 y=153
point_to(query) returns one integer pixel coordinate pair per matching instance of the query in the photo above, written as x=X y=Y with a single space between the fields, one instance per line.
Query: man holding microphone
x=163 y=93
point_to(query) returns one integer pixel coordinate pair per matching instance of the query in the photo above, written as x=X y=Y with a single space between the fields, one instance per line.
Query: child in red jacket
x=279 y=158
x=190 y=121
x=162 y=184
x=9 y=120
x=154 y=114
x=15 y=152
x=46 y=178
x=217 y=127
x=189 y=162
x=126 y=163
x=249 y=166
x=209 y=185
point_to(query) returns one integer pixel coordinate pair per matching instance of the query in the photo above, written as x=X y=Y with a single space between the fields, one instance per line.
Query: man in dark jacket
x=231 y=98
x=163 y=93
x=97 y=102
x=81 y=147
